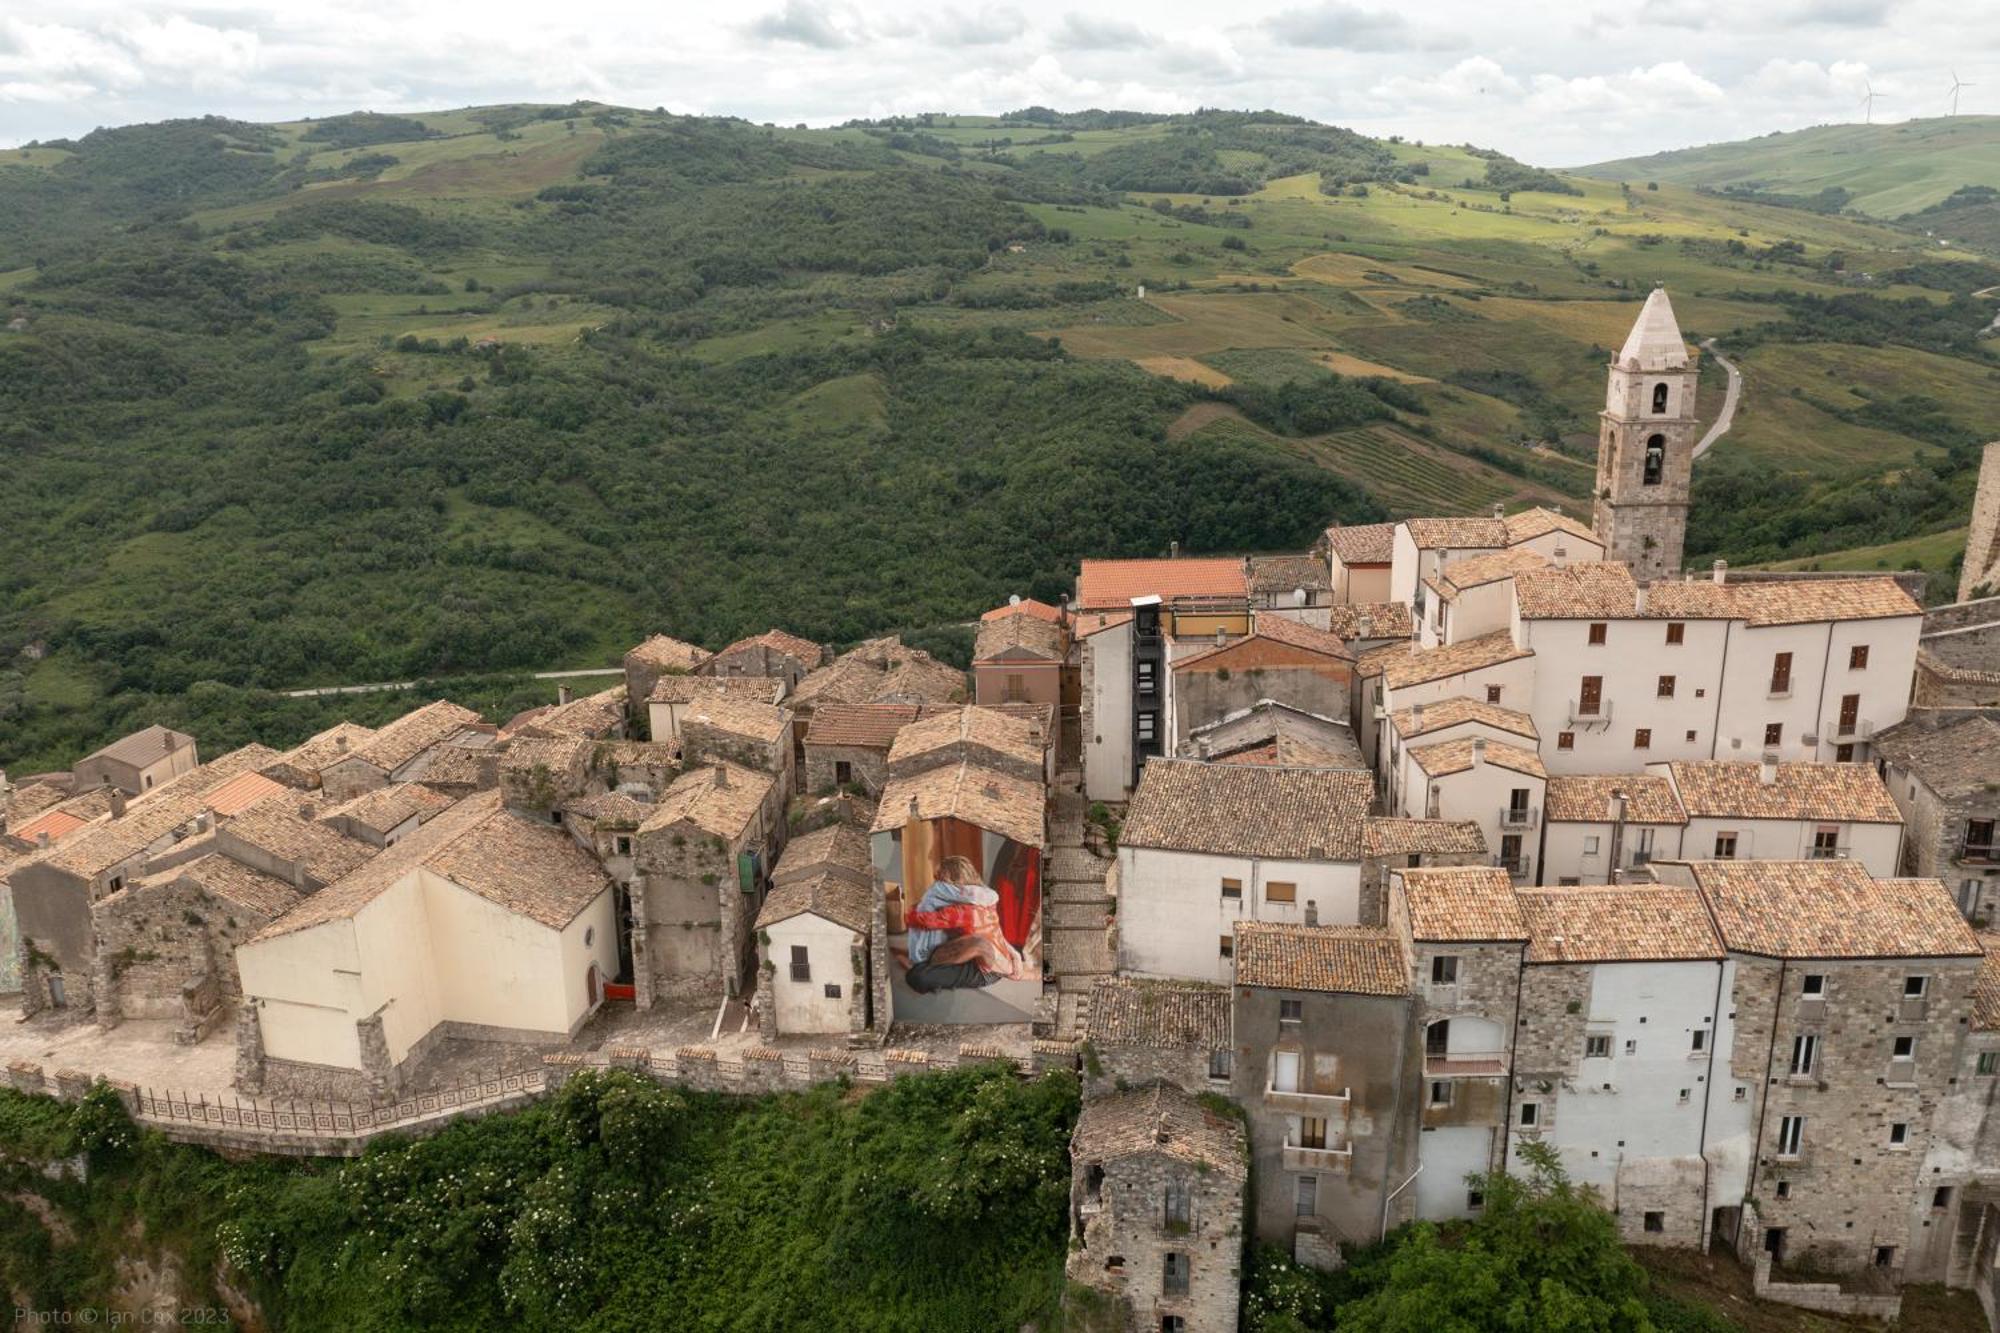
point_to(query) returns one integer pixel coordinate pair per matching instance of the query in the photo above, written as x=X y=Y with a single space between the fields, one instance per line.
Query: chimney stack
x=916 y=811
x=1364 y=627
x=1173 y=550
x=1767 y=768
x=1312 y=912
x=1639 y=601
x=562 y=695
x=721 y=775
x=1499 y=510
x=1721 y=572
x=1220 y=638
x=340 y=742
x=117 y=803
x=1478 y=751
x=1417 y=718
x=42 y=839
x=1617 y=836
x=1561 y=557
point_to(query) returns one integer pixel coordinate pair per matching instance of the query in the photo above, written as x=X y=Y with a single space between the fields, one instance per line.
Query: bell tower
x=1645 y=446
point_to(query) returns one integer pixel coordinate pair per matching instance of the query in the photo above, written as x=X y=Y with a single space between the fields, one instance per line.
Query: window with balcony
x=1312 y=1131
x=1676 y=633
x=1805 y=1054
x=1781 y=673
x=1791 y=1135
x=801 y=964
x=1598 y=630
x=1444 y=970
x=1850 y=714
x=1590 y=696
x=1725 y=846
x=1857 y=657
x=1174 y=1274
x=1666 y=688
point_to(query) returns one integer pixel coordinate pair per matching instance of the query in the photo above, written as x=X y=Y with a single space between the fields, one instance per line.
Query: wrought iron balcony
x=1590 y=711
x=1526 y=817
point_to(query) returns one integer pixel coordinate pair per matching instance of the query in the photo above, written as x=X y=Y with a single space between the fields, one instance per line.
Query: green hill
x=478 y=392
x=1886 y=171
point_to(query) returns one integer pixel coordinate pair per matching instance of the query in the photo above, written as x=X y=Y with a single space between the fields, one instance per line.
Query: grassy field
x=1889 y=169
x=1934 y=551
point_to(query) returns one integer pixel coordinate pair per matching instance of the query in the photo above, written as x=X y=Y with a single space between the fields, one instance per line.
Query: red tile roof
x=1027 y=606
x=1110 y=585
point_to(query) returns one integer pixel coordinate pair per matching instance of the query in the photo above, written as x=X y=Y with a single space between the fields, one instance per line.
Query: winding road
x=380 y=686
x=1727 y=415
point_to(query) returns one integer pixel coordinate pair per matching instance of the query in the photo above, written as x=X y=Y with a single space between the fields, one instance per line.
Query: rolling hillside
x=1888 y=171
x=490 y=390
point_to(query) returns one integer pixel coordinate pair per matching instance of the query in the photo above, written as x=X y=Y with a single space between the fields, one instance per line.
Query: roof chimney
x=1478 y=751
x=1639 y=600
x=562 y=695
x=721 y=775
x=1173 y=550
x=1416 y=717
x=42 y=839
x=1220 y=637
x=1561 y=557
x=1721 y=574
x=1312 y=912
x=1499 y=510
x=916 y=811
x=1364 y=626
x=117 y=803
x=340 y=742
x=1767 y=768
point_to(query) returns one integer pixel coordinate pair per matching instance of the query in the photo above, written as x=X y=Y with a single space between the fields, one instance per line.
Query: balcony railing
x=1464 y=1064
x=1317 y=1159
x=1842 y=729
x=1977 y=852
x=1837 y=853
x=1517 y=866
x=1308 y=1103
x=1525 y=817
x=1593 y=712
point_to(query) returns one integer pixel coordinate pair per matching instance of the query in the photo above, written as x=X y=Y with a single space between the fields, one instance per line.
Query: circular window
x=589 y=936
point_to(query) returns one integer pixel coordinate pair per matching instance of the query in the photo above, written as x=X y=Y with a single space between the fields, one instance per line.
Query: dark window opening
x=1656 y=460
x=1660 y=397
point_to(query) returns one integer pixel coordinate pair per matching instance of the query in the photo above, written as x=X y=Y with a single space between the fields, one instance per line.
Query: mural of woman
x=955 y=936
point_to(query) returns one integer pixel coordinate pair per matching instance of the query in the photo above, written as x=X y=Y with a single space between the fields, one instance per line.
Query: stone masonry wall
x=870 y=767
x=1555 y=1011
x=1124 y=1240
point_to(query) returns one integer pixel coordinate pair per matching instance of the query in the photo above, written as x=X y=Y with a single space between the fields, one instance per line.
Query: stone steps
x=1080 y=914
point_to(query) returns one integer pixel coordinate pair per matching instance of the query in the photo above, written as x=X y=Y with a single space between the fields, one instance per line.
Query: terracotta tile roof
x=1279 y=575
x=328 y=747
x=832 y=897
x=149 y=745
x=1621 y=923
x=610 y=809
x=1585 y=798
x=1462 y=533
x=1411 y=723
x=991 y=800
x=1456 y=757
x=386 y=808
x=153 y=816
x=1408 y=837
x=1476 y=571
x=1850 y=793
x=1245 y=810
x=1955 y=760
x=411 y=734
x=1158 y=1015
x=1537 y=522
x=283 y=829
x=1986 y=991
x=881 y=671
x=1285 y=750
x=1780 y=601
x=57 y=823
x=1427 y=664
x=261 y=895
x=460 y=766
x=680 y=689
x=1021 y=632
x=594 y=715
x=1027 y=606
x=1087 y=623
x=806 y=651
x=31 y=798
x=1363 y=544
x=240 y=793
x=1343 y=960
x=1110 y=585
x=1159 y=1119
x=1274 y=629
x=867 y=726
x=1011 y=737
x=1600 y=591
x=1465 y=904
x=762 y=722
x=1830 y=909
x=1386 y=620
x=558 y=754
x=668 y=653
x=1376 y=661
x=724 y=809
x=368 y=881
x=837 y=846
x=527 y=866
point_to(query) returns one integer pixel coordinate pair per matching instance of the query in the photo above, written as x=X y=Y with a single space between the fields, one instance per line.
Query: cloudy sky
x=1558 y=83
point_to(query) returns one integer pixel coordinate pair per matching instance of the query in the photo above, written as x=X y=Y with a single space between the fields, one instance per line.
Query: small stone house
x=817 y=936
x=702 y=859
x=1138 y=1032
x=1389 y=843
x=301 y=765
x=1157 y=1191
x=658 y=657
x=599 y=716
x=847 y=745
x=139 y=762
x=982 y=737
x=673 y=696
x=740 y=731
x=394 y=750
x=1944 y=776
x=774 y=654
x=380 y=817
x=539 y=773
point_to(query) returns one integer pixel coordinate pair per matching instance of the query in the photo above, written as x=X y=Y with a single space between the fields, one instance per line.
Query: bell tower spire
x=1645 y=445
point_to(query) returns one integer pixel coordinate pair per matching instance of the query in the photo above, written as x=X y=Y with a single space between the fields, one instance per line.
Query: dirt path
x=1727 y=417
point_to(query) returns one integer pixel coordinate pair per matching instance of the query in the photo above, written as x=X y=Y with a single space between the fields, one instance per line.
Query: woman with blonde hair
x=955 y=941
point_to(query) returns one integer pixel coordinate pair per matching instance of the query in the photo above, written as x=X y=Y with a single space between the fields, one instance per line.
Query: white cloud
x=1333 y=24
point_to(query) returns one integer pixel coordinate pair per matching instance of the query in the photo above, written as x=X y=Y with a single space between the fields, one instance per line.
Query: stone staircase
x=1077 y=909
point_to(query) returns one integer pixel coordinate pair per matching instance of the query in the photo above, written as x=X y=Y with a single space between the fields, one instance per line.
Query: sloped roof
x=738 y=716
x=1831 y=909
x=1386 y=620
x=681 y=689
x=1281 y=574
x=994 y=801
x=232 y=882
x=1476 y=571
x=1158 y=1015
x=1986 y=991
x=1585 y=798
x=1274 y=628
x=1414 y=721
x=667 y=653
x=1110 y=585
x=328 y=747
x=1954 y=760
x=385 y=808
x=1620 y=923
x=1342 y=960
x=1249 y=810
x=723 y=808
x=1462 y=904
x=528 y=866
x=152 y=816
x=1538 y=522
x=1159 y=1119
x=610 y=809
x=1363 y=544
x=884 y=670
x=1420 y=665
x=1593 y=591
x=806 y=651
x=593 y=715
x=1027 y=606
x=1456 y=756
x=1780 y=601
x=1013 y=737
x=832 y=897
x=1456 y=533
x=144 y=747
x=241 y=792
x=296 y=831
x=410 y=735
x=1407 y=837
x=57 y=823
x=1019 y=631
x=838 y=845
x=866 y=726
x=1849 y=793
x=1655 y=341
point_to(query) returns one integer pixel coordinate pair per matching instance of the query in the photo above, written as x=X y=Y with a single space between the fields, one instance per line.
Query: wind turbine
x=1868 y=102
x=1956 y=84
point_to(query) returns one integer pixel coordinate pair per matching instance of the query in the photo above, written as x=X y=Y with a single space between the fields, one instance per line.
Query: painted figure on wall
x=964 y=921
